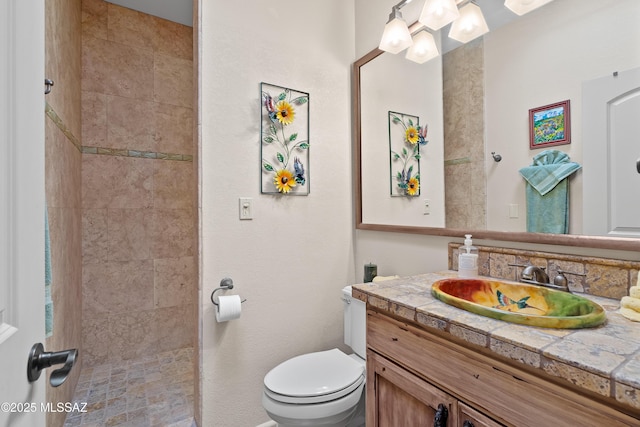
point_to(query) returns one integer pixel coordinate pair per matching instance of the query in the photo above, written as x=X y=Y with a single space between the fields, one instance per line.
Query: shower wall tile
x=94 y=18
x=62 y=59
x=173 y=39
x=132 y=335
x=95 y=339
x=172 y=233
x=131 y=123
x=173 y=80
x=116 y=182
x=138 y=240
x=62 y=169
x=94 y=119
x=117 y=287
x=116 y=69
x=175 y=326
x=175 y=281
x=62 y=165
x=129 y=235
x=173 y=184
x=130 y=27
x=174 y=129
x=94 y=236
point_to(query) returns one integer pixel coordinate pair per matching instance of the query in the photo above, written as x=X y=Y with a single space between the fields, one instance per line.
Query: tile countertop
x=604 y=360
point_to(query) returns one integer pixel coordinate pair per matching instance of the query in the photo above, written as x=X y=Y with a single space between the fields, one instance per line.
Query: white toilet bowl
x=316 y=389
x=326 y=388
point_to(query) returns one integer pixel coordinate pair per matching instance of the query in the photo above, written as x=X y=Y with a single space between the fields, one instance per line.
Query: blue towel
x=48 y=301
x=547 y=192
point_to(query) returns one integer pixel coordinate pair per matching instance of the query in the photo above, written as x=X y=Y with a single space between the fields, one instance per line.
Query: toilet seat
x=314 y=378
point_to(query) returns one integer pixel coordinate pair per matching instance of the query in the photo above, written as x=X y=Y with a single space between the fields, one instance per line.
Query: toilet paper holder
x=225 y=284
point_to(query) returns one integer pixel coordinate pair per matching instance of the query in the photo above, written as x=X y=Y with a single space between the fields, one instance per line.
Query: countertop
x=604 y=360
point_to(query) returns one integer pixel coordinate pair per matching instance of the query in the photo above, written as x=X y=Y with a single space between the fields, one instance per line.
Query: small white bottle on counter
x=467 y=258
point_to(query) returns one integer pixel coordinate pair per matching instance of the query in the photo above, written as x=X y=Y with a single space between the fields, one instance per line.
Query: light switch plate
x=246 y=208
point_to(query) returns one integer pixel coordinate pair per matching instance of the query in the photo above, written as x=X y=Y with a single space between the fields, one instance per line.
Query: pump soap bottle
x=468 y=258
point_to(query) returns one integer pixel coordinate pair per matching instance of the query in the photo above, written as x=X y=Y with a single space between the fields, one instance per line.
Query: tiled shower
x=121 y=193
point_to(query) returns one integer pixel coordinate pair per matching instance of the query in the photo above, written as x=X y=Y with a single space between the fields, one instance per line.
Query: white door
x=21 y=208
x=611 y=154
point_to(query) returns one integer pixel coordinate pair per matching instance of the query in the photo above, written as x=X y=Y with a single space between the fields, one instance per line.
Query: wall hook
x=47 y=86
x=496 y=157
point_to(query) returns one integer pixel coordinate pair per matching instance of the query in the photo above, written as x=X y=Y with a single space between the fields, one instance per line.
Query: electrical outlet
x=246 y=208
x=513 y=210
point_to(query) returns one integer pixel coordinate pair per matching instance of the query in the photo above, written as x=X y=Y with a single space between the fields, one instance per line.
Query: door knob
x=40 y=359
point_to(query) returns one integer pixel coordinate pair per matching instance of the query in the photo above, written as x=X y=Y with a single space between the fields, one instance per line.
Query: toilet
x=324 y=388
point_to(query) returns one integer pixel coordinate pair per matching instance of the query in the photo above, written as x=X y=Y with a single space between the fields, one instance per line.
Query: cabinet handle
x=440 y=420
x=467 y=423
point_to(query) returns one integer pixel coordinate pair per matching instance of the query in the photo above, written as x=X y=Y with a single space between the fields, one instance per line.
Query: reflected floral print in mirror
x=405 y=138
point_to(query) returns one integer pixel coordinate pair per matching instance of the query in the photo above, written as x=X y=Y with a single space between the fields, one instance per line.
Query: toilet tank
x=355 y=323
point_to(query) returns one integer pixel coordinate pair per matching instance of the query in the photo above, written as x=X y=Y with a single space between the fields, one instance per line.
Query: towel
x=48 y=301
x=630 y=306
x=547 y=192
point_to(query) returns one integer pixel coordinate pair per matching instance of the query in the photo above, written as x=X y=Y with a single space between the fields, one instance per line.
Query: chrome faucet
x=537 y=276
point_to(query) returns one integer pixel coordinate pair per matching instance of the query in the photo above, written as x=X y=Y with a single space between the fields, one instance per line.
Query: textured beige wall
x=291 y=261
x=138 y=245
x=62 y=183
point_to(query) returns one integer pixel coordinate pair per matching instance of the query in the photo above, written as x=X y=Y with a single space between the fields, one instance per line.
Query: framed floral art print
x=284 y=141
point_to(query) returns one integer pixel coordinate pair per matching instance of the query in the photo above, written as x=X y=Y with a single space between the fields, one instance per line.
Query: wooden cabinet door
x=469 y=417
x=396 y=397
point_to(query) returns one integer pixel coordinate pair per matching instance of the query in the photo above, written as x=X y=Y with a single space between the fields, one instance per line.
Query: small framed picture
x=550 y=125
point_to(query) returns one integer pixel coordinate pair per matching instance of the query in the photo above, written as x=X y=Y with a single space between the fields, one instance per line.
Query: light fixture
x=396 y=36
x=438 y=13
x=520 y=7
x=469 y=25
x=423 y=48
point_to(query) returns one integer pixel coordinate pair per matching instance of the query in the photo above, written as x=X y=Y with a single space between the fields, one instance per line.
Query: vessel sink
x=520 y=303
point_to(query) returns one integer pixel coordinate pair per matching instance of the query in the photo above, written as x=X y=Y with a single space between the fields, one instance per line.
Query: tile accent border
x=137 y=153
x=50 y=112
x=460 y=161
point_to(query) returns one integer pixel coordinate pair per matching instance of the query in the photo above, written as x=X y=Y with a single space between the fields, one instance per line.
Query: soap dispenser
x=467 y=258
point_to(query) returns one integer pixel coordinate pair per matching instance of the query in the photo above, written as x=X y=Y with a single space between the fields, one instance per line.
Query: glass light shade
x=423 y=48
x=520 y=7
x=396 y=36
x=469 y=25
x=438 y=13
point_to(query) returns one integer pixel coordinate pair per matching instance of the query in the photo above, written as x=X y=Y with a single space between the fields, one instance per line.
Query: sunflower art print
x=284 y=141
x=405 y=138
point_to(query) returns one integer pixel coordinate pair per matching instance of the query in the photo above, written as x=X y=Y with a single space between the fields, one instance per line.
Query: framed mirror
x=495 y=172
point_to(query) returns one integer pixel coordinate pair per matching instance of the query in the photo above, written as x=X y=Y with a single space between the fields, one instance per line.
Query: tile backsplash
x=603 y=277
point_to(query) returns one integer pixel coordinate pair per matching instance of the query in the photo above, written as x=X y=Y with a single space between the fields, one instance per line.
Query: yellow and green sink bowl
x=520 y=303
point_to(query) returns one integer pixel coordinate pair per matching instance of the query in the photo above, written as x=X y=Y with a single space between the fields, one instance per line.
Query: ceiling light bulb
x=469 y=25
x=438 y=13
x=423 y=48
x=396 y=36
x=520 y=7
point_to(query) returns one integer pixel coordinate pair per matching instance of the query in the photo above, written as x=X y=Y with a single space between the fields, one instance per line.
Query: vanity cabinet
x=411 y=372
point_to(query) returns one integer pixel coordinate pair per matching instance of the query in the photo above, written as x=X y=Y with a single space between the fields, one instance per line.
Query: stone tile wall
x=464 y=168
x=138 y=245
x=63 y=161
x=603 y=277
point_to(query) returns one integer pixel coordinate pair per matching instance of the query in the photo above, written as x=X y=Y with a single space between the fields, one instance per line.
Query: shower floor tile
x=151 y=392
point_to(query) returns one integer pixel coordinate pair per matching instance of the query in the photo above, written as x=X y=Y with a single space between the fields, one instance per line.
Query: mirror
x=511 y=142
